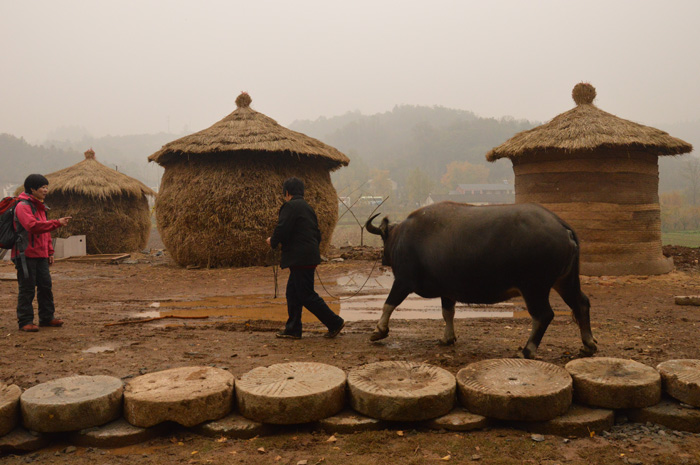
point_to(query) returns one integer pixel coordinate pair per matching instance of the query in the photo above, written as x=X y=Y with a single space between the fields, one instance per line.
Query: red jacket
x=38 y=227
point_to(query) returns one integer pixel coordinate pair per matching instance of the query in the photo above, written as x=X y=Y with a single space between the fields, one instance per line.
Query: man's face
x=287 y=196
x=41 y=192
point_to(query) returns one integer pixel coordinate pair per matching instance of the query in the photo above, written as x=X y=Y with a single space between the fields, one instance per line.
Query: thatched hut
x=222 y=188
x=108 y=207
x=599 y=173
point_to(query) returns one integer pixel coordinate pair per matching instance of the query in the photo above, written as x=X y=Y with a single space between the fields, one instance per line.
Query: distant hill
x=416 y=137
x=127 y=154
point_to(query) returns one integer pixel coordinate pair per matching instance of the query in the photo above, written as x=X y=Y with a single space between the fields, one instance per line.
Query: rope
x=357 y=292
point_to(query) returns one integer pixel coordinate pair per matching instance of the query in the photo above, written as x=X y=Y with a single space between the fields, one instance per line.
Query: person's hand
x=51 y=260
x=64 y=221
x=268 y=241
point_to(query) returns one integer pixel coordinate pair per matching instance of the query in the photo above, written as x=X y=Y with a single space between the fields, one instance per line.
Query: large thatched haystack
x=599 y=173
x=108 y=207
x=222 y=188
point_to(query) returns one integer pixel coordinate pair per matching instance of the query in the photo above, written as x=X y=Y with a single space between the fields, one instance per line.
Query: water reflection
x=366 y=305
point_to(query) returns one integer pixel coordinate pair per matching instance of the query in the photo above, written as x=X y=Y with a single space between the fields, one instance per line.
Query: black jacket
x=297 y=231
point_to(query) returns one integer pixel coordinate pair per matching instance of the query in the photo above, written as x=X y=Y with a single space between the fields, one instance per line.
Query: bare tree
x=691 y=172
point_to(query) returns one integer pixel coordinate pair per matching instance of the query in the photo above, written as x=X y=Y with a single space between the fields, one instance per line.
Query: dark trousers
x=301 y=293
x=39 y=279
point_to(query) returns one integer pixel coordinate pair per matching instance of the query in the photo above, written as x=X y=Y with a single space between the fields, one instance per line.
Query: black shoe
x=285 y=335
x=331 y=334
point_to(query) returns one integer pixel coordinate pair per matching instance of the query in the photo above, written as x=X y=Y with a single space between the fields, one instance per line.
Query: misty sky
x=131 y=67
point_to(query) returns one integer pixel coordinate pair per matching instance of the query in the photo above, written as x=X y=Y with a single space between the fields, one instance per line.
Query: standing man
x=297 y=231
x=33 y=254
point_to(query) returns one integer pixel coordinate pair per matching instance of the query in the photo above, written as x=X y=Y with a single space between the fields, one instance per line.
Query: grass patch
x=681 y=238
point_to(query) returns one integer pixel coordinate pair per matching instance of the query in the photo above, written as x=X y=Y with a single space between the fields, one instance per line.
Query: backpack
x=8 y=235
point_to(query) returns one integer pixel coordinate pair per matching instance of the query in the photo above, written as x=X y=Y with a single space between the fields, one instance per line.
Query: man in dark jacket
x=297 y=231
x=36 y=246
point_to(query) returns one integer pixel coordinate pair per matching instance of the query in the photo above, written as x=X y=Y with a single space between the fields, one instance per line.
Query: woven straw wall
x=217 y=211
x=113 y=225
x=611 y=200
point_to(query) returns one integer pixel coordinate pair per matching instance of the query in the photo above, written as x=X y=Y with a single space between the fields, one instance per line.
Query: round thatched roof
x=247 y=130
x=93 y=179
x=588 y=128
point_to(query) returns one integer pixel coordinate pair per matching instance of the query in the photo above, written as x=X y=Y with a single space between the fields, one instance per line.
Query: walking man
x=297 y=231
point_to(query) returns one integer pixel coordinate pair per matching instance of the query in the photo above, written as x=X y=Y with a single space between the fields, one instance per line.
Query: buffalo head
x=383 y=231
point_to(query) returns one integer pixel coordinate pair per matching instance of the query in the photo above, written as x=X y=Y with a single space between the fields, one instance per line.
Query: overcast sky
x=145 y=66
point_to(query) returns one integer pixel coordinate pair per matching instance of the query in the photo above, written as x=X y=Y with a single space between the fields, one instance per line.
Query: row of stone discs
x=639 y=390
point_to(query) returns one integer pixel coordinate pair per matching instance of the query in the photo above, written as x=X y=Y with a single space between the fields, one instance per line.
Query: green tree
x=418 y=185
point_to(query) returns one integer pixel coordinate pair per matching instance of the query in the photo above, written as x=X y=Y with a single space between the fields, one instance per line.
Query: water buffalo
x=485 y=254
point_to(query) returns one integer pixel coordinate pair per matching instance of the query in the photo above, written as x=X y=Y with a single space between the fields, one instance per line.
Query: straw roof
x=93 y=179
x=588 y=128
x=247 y=130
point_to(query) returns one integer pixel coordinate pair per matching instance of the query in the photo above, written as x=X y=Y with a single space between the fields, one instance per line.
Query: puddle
x=357 y=308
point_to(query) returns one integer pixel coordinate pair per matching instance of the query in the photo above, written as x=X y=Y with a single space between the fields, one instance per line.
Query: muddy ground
x=632 y=317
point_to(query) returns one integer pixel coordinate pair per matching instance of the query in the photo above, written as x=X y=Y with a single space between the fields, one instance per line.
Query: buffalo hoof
x=588 y=351
x=378 y=334
x=525 y=353
x=447 y=342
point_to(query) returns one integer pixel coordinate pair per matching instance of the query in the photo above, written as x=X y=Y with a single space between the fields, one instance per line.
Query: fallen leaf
x=399 y=433
x=194 y=452
x=222 y=439
x=446 y=458
x=331 y=439
x=261 y=450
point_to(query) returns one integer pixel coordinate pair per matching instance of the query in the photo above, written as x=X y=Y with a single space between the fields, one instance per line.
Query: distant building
x=477 y=194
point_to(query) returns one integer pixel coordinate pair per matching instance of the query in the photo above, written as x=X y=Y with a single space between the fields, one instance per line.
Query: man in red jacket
x=35 y=244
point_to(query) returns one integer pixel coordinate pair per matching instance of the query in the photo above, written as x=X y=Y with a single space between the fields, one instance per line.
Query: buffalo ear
x=384 y=227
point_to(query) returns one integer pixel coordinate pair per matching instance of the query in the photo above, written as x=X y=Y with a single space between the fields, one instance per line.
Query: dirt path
x=632 y=317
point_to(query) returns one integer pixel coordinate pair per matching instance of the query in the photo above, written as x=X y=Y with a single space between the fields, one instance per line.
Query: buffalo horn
x=372 y=228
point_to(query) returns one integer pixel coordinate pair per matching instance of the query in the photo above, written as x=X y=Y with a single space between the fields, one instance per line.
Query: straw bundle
x=600 y=174
x=222 y=188
x=246 y=130
x=588 y=128
x=108 y=207
x=230 y=206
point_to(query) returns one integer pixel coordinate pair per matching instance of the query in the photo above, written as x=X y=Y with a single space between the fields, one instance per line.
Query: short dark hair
x=293 y=186
x=34 y=181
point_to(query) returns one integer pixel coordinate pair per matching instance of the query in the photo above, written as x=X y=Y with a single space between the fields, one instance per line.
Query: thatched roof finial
x=243 y=100
x=583 y=93
x=90 y=153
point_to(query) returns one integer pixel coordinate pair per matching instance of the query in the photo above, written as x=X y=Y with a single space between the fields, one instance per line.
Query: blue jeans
x=39 y=279
x=301 y=293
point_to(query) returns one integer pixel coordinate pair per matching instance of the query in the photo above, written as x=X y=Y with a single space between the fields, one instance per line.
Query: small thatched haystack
x=600 y=174
x=108 y=207
x=222 y=188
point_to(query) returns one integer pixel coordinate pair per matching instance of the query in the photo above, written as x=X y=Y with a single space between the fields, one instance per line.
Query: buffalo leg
x=397 y=295
x=542 y=314
x=448 y=314
x=581 y=307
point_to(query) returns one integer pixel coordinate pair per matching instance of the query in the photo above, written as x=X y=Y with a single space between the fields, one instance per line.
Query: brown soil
x=632 y=317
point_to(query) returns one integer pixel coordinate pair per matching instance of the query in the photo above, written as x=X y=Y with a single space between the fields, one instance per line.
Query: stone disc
x=579 y=421
x=614 y=383
x=234 y=426
x=290 y=393
x=349 y=421
x=515 y=389
x=118 y=433
x=9 y=407
x=185 y=395
x=72 y=403
x=669 y=413
x=20 y=440
x=681 y=380
x=459 y=420
x=401 y=391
